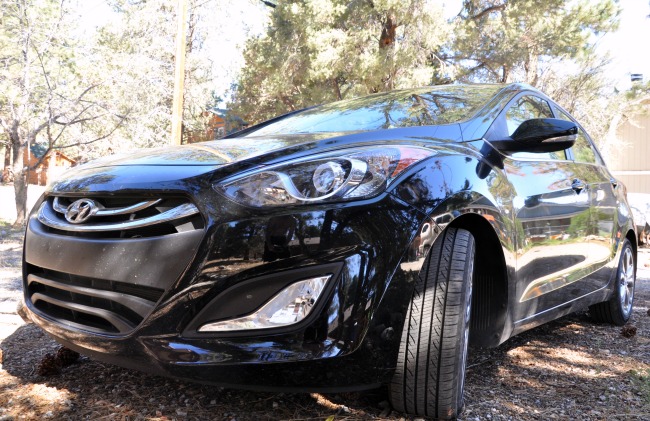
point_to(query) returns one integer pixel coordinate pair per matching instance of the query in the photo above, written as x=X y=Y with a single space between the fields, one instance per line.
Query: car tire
x=430 y=372
x=618 y=309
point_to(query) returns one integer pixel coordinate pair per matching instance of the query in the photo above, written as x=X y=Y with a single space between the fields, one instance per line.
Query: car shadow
x=537 y=370
x=90 y=389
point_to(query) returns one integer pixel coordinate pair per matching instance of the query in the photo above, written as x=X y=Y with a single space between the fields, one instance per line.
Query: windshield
x=414 y=107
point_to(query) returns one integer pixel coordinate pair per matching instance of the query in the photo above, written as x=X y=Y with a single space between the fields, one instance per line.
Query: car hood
x=167 y=167
x=212 y=153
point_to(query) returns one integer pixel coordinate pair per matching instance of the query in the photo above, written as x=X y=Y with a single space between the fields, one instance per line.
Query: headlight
x=337 y=176
x=289 y=306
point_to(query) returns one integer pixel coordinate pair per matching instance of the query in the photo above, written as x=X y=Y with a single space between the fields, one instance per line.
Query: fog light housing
x=287 y=307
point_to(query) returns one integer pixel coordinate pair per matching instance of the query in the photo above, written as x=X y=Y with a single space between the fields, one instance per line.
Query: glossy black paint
x=540 y=135
x=545 y=246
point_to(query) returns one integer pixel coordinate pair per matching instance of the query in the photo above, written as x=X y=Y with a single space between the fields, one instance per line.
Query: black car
x=347 y=246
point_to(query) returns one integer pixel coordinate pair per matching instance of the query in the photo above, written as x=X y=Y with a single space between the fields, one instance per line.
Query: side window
x=526 y=108
x=561 y=114
x=583 y=151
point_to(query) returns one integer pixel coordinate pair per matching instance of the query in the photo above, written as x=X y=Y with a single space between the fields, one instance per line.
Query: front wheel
x=430 y=374
x=618 y=309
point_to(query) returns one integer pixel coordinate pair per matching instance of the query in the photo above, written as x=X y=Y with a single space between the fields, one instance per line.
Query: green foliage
x=92 y=91
x=549 y=45
x=46 y=87
x=639 y=90
x=319 y=51
x=66 y=84
x=506 y=41
x=137 y=49
x=324 y=50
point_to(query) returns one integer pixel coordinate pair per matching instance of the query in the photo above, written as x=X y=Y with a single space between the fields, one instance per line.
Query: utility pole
x=179 y=75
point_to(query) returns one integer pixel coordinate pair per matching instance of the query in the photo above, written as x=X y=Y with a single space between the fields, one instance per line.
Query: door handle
x=578 y=185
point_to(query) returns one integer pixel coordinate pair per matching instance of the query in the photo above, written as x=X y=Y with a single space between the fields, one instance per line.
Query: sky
x=628 y=47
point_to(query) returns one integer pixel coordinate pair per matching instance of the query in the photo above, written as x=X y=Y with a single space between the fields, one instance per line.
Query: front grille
x=111 y=217
x=92 y=304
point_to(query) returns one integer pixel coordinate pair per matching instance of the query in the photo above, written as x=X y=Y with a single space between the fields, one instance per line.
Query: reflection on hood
x=216 y=152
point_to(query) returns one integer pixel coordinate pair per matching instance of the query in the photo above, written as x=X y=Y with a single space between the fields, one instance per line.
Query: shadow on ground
x=571 y=368
x=555 y=369
x=92 y=390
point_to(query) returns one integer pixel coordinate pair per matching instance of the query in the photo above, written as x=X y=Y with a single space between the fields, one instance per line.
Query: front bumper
x=349 y=342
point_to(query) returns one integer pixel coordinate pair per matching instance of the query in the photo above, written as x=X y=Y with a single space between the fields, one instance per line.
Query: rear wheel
x=430 y=374
x=618 y=309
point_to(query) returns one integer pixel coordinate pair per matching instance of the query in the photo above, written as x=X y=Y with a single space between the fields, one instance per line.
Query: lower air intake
x=90 y=304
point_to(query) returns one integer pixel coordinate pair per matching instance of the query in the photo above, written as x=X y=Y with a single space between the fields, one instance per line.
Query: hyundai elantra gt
x=361 y=243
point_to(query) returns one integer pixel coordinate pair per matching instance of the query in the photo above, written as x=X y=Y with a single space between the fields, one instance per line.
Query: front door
x=557 y=228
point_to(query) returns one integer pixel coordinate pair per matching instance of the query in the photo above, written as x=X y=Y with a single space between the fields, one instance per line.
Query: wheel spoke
x=618 y=308
x=627 y=281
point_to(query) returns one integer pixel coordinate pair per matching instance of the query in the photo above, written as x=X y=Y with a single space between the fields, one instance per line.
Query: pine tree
x=325 y=50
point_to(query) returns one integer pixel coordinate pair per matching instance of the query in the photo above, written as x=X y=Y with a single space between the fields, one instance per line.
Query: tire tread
x=426 y=377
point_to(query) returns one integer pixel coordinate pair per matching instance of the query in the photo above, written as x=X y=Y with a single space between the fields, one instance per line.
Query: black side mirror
x=540 y=135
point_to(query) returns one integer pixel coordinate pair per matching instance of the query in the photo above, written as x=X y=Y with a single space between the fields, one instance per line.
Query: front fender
x=455 y=189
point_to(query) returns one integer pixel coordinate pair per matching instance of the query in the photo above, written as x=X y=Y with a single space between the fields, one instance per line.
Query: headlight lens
x=289 y=306
x=343 y=175
x=328 y=177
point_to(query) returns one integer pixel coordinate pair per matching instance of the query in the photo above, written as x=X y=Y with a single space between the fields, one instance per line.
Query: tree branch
x=117 y=126
x=497 y=7
x=79 y=120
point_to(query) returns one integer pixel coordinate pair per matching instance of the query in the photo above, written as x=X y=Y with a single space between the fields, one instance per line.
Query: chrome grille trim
x=56 y=204
x=48 y=216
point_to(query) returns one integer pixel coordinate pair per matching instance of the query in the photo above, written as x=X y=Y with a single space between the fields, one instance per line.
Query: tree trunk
x=531 y=65
x=20 y=178
x=505 y=74
x=388 y=33
x=6 y=169
x=337 y=89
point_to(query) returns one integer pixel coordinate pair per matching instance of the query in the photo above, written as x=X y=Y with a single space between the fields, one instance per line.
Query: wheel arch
x=488 y=322
x=631 y=236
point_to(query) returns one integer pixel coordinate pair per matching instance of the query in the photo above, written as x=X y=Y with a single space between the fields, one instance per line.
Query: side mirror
x=540 y=135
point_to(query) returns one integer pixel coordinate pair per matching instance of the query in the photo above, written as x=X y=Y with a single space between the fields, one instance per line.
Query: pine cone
x=628 y=331
x=49 y=366
x=66 y=356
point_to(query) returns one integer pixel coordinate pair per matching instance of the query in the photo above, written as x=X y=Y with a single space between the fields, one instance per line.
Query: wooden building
x=217 y=123
x=631 y=162
x=54 y=164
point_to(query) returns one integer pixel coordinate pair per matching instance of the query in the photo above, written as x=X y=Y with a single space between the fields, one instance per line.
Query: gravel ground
x=569 y=369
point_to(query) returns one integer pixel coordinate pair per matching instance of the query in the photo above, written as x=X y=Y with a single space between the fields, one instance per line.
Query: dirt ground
x=7 y=204
x=570 y=369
